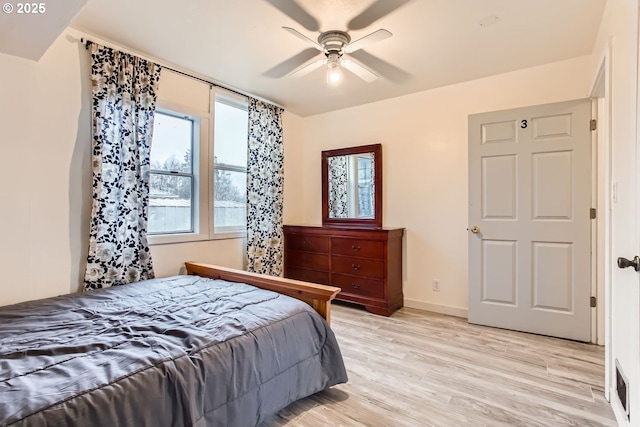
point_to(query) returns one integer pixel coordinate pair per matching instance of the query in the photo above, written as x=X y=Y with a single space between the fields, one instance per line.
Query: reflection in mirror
x=352 y=186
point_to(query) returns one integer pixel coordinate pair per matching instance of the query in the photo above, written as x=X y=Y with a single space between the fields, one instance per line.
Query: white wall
x=293 y=207
x=424 y=142
x=43 y=172
x=619 y=33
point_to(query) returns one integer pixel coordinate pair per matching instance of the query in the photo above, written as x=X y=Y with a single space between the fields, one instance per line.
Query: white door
x=624 y=355
x=529 y=219
x=623 y=346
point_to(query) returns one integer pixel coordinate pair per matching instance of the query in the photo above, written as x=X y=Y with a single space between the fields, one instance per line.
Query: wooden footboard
x=317 y=296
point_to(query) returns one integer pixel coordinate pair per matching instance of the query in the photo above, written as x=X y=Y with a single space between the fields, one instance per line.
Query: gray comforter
x=182 y=351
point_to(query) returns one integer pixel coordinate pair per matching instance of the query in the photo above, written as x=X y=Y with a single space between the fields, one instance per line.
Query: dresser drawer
x=310 y=260
x=357 y=247
x=312 y=276
x=358 y=266
x=358 y=285
x=301 y=242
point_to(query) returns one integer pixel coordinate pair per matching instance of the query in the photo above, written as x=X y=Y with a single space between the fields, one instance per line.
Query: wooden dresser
x=365 y=263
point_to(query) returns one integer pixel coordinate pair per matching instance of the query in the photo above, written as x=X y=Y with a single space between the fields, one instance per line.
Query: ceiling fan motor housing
x=334 y=41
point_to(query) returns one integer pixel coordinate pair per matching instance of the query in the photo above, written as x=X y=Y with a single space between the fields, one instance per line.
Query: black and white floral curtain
x=124 y=91
x=338 y=187
x=265 y=178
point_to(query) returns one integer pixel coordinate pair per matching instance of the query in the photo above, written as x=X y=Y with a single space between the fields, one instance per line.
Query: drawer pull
x=355 y=285
x=355 y=266
x=355 y=248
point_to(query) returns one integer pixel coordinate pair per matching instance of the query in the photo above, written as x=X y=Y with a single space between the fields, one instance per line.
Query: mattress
x=179 y=351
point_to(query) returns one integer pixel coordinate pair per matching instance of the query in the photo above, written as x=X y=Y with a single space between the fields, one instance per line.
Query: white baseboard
x=436 y=308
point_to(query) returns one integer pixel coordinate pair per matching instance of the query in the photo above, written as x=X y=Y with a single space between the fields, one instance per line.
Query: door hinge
x=593 y=301
x=592 y=213
x=593 y=124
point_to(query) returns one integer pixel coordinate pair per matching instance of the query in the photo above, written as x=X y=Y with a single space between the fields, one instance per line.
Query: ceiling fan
x=335 y=45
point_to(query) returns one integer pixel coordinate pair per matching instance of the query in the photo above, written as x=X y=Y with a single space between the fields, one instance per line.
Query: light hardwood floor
x=425 y=369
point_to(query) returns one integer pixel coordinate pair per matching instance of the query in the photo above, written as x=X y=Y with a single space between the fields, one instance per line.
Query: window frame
x=200 y=152
x=195 y=125
x=203 y=149
x=238 y=101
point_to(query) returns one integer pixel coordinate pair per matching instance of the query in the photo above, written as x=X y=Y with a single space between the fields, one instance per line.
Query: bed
x=215 y=347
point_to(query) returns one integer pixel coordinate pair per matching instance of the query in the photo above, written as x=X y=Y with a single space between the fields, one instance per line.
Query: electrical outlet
x=436 y=285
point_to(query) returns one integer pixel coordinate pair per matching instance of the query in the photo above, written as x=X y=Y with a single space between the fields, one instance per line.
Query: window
x=198 y=181
x=230 y=165
x=172 y=180
x=365 y=186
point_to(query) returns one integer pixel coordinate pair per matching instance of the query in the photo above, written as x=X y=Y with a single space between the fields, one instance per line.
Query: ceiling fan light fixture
x=334 y=70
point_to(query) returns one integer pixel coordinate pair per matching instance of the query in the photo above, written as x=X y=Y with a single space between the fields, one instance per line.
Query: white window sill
x=168 y=239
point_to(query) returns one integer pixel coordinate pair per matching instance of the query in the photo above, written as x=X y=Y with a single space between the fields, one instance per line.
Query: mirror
x=352 y=186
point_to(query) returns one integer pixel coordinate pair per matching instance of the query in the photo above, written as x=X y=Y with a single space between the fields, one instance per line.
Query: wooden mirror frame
x=376 y=221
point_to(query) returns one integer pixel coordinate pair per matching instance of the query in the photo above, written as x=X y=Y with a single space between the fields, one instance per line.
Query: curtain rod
x=86 y=43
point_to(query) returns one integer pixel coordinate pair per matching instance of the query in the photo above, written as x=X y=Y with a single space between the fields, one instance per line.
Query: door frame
x=601 y=257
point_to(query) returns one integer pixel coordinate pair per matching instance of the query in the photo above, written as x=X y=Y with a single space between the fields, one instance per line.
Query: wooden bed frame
x=317 y=296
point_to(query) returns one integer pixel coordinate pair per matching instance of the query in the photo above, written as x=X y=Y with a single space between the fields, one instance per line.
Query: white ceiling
x=435 y=43
x=28 y=31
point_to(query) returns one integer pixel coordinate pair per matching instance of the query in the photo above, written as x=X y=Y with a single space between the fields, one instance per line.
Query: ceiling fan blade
x=359 y=70
x=285 y=67
x=374 y=12
x=294 y=11
x=301 y=36
x=305 y=69
x=383 y=68
x=362 y=42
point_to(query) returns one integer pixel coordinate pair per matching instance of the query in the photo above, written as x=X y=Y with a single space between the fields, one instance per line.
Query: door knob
x=475 y=229
x=624 y=263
